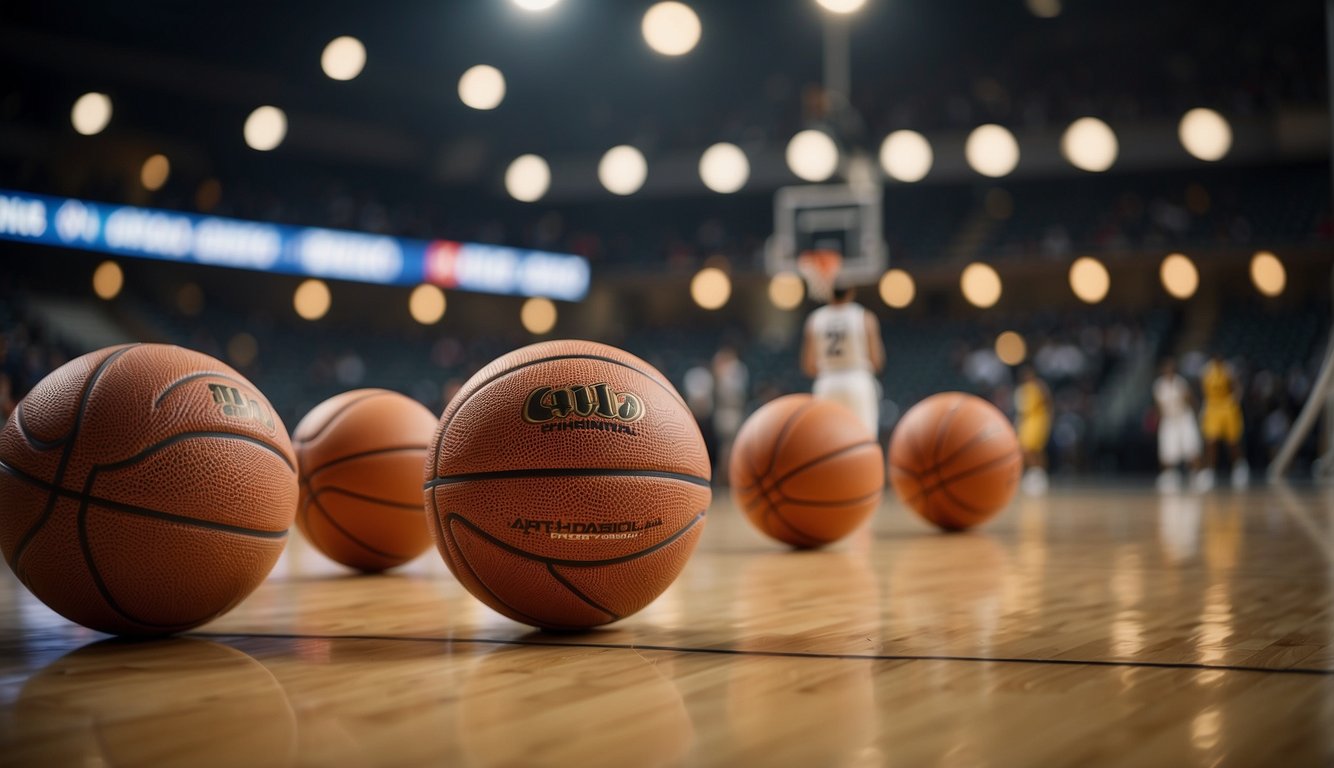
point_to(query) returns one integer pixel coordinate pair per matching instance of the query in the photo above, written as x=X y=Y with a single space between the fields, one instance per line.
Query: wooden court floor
x=1090 y=627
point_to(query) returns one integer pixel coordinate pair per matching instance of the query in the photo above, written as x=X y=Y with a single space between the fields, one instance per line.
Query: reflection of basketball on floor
x=600 y=708
x=153 y=704
x=954 y=459
x=806 y=471
x=145 y=489
x=361 y=455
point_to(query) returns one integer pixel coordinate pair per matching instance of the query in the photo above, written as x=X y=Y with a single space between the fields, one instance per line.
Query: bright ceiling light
x=906 y=156
x=1268 y=274
x=623 y=170
x=786 y=290
x=1205 y=134
x=711 y=288
x=992 y=151
x=91 y=113
x=482 y=87
x=1089 y=145
x=538 y=315
x=265 y=129
x=535 y=5
x=671 y=28
x=1090 y=280
x=154 y=172
x=897 y=288
x=841 y=6
x=981 y=285
x=343 y=58
x=724 y=168
x=812 y=155
x=1179 y=275
x=528 y=178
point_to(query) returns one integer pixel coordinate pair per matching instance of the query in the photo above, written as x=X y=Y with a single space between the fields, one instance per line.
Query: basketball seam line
x=361 y=455
x=942 y=427
x=463 y=560
x=341 y=410
x=784 y=654
x=782 y=435
x=448 y=419
x=452 y=516
x=836 y=503
x=354 y=539
x=183 y=436
x=131 y=509
x=579 y=593
x=981 y=435
x=944 y=481
x=822 y=458
x=198 y=375
x=773 y=509
x=414 y=506
x=63 y=464
x=519 y=474
x=28 y=437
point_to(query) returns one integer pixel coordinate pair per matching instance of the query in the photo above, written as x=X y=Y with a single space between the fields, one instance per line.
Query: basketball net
x=818 y=268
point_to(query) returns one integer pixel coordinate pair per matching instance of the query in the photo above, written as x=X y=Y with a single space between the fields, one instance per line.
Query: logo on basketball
x=577 y=531
x=239 y=405
x=548 y=404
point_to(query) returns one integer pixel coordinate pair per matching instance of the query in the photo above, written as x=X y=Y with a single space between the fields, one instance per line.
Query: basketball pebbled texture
x=805 y=471
x=361 y=455
x=144 y=489
x=560 y=503
x=955 y=460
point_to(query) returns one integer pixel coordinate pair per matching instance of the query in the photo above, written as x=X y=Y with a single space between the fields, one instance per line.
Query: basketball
x=360 y=455
x=144 y=489
x=955 y=460
x=805 y=471
x=567 y=484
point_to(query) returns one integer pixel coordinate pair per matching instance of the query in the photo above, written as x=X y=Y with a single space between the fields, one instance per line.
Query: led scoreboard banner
x=148 y=233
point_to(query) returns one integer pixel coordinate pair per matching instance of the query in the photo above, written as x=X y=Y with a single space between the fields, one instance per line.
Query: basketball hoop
x=818 y=268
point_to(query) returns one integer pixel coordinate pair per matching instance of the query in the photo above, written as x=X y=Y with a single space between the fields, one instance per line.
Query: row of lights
x=981 y=284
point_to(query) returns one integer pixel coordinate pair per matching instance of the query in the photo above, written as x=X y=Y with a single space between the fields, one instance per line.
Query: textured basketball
x=361 y=455
x=955 y=460
x=805 y=471
x=144 y=489
x=567 y=484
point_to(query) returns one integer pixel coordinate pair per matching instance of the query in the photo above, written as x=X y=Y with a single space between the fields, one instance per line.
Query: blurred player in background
x=1032 y=410
x=1178 y=434
x=842 y=350
x=1220 y=421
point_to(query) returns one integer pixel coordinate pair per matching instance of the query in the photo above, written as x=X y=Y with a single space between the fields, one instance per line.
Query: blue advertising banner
x=148 y=233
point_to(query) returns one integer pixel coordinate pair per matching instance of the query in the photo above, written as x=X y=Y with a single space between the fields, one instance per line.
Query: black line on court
x=781 y=654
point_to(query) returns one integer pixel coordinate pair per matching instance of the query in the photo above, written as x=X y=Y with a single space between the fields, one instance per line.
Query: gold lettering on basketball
x=240 y=405
x=582 y=401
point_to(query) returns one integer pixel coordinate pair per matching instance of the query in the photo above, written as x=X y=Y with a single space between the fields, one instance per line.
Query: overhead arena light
x=841 y=6
x=426 y=304
x=1179 y=275
x=812 y=155
x=538 y=315
x=91 y=113
x=1011 y=348
x=1089 y=144
x=343 y=58
x=671 y=28
x=906 y=156
x=786 y=290
x=711 y=288
x=108 y=279
x=1089 y=279
x=312 y=299
x=482 y=87
x=992 y=151
x=1268 y=274
x=154 y=172
x=265 y=129
x=535 y=5
x=1044 y=9
x=981 y=285
x=528 y=178
x=897 y=289
x=1205 y=134
x=623 y=170
x=724 y=168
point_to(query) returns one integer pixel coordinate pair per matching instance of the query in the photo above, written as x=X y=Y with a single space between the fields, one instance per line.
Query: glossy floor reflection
x=1090 y=627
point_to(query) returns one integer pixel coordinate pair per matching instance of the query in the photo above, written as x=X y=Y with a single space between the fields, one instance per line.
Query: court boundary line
x=717 y=651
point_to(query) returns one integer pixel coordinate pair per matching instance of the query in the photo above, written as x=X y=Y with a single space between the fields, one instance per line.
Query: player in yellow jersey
x=1220 y=421
x=1032 y=410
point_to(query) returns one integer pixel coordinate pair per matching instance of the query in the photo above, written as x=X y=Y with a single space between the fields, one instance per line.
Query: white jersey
x=1172 y=396
x=838 y=332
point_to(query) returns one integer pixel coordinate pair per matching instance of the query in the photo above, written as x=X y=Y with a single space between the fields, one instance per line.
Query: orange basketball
x=955 y=460
x=567 y=484
x=361 y=456
x=806 y=471
x=144 y=489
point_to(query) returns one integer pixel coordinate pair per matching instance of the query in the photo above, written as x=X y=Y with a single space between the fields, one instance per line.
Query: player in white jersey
x=1178 y=434
x=842 y=351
